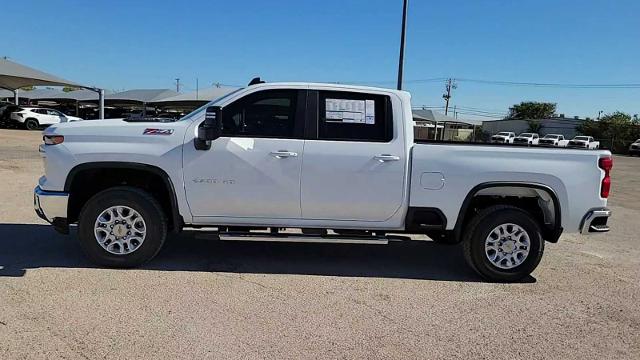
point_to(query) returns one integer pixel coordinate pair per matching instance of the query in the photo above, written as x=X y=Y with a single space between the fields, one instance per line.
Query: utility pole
x=402 y=38
x=177 y=84
x=450 y=85
x=197 y=89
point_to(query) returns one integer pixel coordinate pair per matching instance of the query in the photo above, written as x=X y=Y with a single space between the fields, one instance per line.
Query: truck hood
x=114 y=128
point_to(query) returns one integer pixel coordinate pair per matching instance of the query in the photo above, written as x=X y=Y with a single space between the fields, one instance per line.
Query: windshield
x=551 y=136
x=582 y=138
x=637 y=141
x=202 y=108
x=526 y=135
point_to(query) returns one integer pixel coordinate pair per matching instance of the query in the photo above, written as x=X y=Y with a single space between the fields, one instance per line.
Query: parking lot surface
x=207 y=299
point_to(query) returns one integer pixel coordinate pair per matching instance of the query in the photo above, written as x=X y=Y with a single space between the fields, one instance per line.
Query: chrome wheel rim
x=120 y=230
x=507 y=246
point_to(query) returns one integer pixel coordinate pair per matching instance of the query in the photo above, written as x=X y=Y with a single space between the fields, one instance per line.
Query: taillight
x=53 y=139
x=605 y=163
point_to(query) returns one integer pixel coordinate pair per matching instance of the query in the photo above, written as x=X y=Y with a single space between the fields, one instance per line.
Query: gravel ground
x=205 y=299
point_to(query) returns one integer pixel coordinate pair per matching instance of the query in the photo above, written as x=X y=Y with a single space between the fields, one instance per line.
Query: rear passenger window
x=351 y=116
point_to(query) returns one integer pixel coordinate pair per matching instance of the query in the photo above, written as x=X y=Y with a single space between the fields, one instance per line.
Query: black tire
x=31 y=124
x=136 y=199
x=479 y=228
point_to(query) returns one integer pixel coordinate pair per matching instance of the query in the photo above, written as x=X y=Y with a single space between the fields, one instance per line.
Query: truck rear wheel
x=503 y=243
x=122 y=227
x=31 y=124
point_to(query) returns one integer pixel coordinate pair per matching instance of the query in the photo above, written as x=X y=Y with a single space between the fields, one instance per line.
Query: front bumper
x=50 y=205
x=595 y=221
x=578 y=145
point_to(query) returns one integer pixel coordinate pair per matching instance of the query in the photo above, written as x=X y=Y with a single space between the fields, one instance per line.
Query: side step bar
x=331 y=239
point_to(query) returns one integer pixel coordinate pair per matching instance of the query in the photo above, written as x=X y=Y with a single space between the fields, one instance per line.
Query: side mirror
x=210 y=129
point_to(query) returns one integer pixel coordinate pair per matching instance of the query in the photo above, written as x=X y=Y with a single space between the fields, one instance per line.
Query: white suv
x=32 y=117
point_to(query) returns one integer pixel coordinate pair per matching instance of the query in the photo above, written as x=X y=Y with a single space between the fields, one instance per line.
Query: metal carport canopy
x=13 y=76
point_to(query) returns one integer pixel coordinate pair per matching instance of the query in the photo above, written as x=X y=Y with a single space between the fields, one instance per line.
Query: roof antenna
x=255 y=80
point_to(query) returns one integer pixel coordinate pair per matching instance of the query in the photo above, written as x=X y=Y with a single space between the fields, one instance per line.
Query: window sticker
x=350 y=111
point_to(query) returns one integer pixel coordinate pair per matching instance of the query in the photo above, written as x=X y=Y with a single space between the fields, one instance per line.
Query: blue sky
x=147 y=44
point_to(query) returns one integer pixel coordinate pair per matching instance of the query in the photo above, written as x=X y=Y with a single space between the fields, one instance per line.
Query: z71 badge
x=157 y=132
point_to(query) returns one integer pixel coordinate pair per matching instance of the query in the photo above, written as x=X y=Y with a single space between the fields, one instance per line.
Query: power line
x=507 y=83
x=555 y=85
x=364 y=82
x=464 y=110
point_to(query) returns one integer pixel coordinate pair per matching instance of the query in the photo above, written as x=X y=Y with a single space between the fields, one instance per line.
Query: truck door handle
x=281 y=154
x=386 y=157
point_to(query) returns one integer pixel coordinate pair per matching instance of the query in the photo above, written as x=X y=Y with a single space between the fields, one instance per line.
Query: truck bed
x=444 y=173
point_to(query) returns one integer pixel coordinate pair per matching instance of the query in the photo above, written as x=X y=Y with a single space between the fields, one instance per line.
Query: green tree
x=532 y=110
x=534 y=126
x=28 y=88
x=69 y=88
x=616 y=129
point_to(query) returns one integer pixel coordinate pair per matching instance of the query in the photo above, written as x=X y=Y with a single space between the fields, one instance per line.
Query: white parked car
x=504 y=137
x=634 y=149
x=553 y=140
x=33 y=117
x=331 y=163
x=584 y=142
x=527 y=138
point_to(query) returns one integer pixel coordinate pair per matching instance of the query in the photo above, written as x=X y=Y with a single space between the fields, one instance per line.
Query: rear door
x=48 y=117
x=354 y=161
x=42 y=116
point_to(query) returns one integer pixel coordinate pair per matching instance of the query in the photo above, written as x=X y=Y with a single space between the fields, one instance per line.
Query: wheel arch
x=547 y=201
x=78 y=173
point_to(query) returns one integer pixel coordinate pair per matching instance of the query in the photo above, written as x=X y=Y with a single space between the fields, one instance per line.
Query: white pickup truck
x=315 y=163
x=584 y=142
x=553 y=140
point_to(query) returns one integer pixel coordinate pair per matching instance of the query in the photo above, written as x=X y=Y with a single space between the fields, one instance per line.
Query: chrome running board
x=329 y=239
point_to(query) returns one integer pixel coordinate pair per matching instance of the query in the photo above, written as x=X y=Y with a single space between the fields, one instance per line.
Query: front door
x=254 y=169
x=355 y=167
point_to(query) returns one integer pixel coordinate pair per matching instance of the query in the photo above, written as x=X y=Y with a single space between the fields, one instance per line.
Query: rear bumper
x=50 y=205
x=16 y=119
x=595 y=221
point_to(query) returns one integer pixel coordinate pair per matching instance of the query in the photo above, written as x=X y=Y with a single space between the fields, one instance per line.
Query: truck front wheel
x=503 y=243
x=122 y=227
